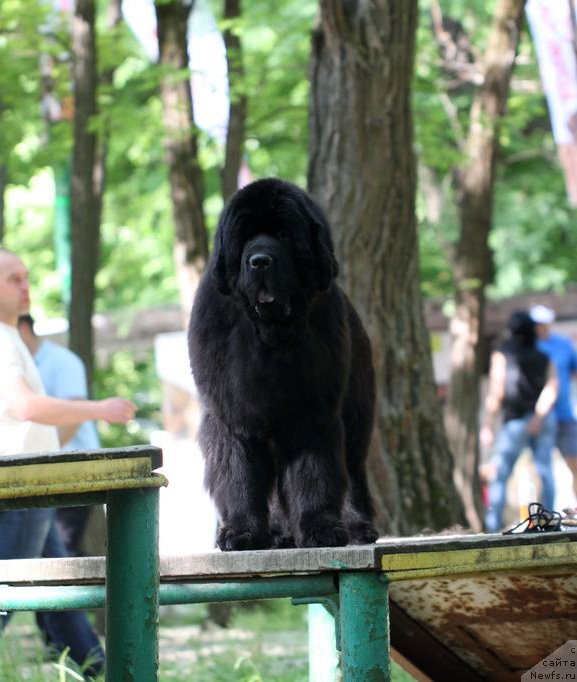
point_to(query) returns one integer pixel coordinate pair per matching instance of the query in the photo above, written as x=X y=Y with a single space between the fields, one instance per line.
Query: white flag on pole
x=552 y=30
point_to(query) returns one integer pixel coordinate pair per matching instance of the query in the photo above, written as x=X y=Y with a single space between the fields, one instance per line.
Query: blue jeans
x=512 y=439
x=31 y=533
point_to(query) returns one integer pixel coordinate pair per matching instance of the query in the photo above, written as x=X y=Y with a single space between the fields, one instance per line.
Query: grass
x=23 y=658
x=264 y=642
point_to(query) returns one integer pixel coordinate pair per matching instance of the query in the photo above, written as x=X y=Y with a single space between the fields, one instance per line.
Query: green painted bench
x=467 y=607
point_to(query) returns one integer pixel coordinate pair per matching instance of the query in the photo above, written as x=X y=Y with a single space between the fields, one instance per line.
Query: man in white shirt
x=28 y=421
x=64 y=376
x=27 y=416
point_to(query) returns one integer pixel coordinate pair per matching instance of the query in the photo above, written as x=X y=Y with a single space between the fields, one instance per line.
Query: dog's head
x=268 y=279
x=273 y=245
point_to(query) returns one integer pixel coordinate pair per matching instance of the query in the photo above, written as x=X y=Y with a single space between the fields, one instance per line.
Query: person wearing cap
x=523 y=387
x=562 y=353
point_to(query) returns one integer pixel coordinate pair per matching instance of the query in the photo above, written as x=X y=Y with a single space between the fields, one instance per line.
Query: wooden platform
x=476 y=607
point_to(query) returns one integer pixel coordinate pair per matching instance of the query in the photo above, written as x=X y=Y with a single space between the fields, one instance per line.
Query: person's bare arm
x=26 y=405
x=67 y=433
x=546 y=400
x=494 y=398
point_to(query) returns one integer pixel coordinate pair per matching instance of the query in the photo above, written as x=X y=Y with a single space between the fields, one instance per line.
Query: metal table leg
x=132 y=586
x=364 y=614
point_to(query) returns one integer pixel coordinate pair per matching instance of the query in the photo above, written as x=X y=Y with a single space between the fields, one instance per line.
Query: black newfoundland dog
x=283 y=368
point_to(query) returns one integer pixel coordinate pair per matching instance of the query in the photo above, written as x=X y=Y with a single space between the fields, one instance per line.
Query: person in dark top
x=523 y=387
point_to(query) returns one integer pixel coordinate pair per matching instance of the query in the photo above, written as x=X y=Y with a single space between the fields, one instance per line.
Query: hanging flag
x=209 y=81
x=207 y=60
x=552 y=28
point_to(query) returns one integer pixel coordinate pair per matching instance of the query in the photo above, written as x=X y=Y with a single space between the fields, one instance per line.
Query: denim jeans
x=30 y=533
x=512 y=439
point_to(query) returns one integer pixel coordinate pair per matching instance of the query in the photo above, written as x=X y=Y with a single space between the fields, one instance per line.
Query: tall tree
x=105 y=82
x=181 y=146
x=86 y=197
x=88 y=177
x=362 y=170
x=474 y=180
x=238 y=100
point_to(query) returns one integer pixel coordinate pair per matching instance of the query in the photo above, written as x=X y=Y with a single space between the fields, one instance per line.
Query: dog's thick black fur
x=283 y=368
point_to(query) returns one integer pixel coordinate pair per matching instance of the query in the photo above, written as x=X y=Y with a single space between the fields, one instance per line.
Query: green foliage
x=134 y=379
x=532 y=237
x=137 y=229
x=276 y=39
x=533 y=240
x=29 y=214
x=27 y=32
x=436 y=275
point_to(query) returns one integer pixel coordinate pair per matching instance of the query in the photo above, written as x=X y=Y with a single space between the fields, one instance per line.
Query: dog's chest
x=269 y=390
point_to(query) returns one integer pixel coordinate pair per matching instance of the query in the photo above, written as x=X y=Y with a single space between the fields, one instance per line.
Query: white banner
x=552 y=30
x=207 y=60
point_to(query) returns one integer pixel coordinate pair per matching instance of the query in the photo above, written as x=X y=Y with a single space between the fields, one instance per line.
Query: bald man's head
x=14 y=287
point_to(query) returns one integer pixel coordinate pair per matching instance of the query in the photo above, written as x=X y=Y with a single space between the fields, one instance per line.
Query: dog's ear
x=218 y=263
x=227 y=249
x=324 y=262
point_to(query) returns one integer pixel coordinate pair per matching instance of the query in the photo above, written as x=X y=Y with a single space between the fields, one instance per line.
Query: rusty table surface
x=482 y=607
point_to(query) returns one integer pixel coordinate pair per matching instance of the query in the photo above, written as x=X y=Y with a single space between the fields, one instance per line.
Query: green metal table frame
x=357 y=600
x=124 y=480
x=352 y=583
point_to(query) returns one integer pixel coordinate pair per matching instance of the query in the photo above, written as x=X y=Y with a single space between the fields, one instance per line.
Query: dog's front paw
x=362 y=533
x=283 y=541
x=230 y=539
x=325 y=531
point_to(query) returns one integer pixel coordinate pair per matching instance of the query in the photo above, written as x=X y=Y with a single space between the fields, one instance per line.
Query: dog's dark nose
x=260 y=261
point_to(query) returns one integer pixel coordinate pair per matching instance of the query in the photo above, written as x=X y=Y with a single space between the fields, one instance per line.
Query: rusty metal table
x=467 y=607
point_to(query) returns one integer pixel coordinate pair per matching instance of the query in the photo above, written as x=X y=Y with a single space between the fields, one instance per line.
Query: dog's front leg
x=238 y=476
x=315 y=484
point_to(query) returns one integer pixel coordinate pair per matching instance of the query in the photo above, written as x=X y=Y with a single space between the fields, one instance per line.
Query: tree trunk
x=238 y=102
x=473 y=262
x=186 y=182
x=85 y=198
x=113 y=20
x=362 y=170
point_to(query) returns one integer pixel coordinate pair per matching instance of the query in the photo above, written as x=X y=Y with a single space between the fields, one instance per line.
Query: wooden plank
x=214 y=564
x=428 y=564
x=271 y=562
x=63 y=472
x=17 y=496
x=64 y=571
x=392 y=555
x=443 y=543
x=153 y=454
